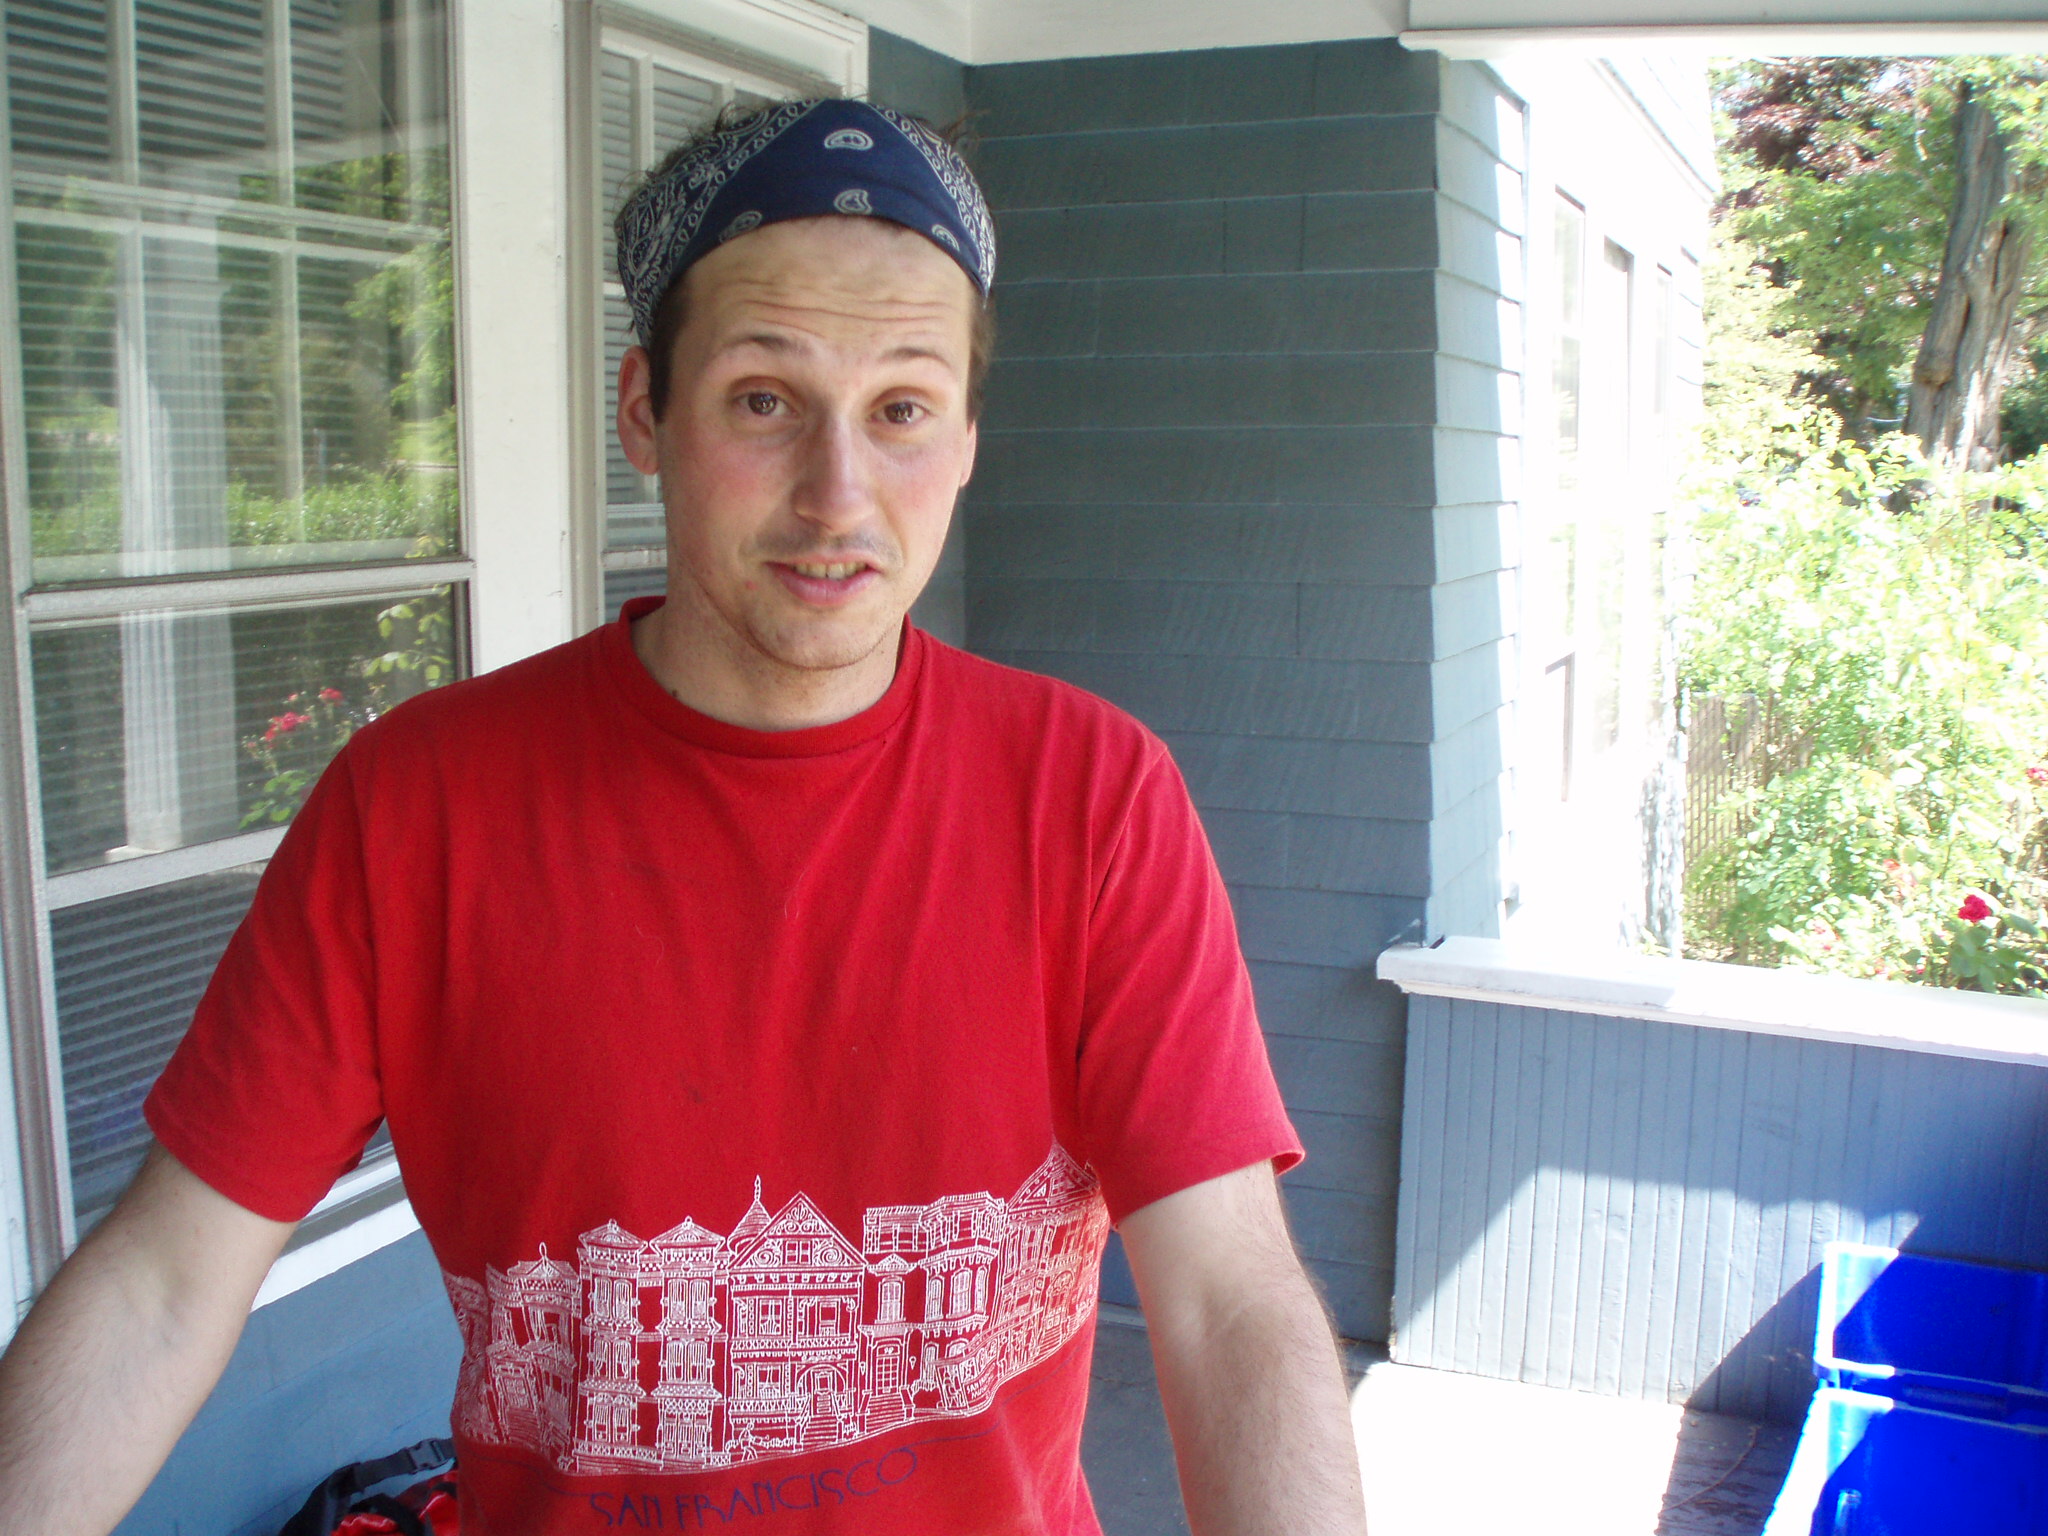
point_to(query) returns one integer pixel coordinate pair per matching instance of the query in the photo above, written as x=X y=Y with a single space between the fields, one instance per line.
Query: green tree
x=1900 y=205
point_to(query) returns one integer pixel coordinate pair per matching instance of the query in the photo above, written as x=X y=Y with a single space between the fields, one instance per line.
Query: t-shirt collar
x=622 y=665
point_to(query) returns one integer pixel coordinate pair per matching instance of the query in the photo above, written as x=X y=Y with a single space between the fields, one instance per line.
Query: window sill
x=366 y=1210
x=1794 y=1004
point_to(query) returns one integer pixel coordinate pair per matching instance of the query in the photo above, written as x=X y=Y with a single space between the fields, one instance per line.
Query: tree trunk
x=1966 y=352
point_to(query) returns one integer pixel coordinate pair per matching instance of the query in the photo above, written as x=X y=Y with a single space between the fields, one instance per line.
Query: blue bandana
x=797 y=160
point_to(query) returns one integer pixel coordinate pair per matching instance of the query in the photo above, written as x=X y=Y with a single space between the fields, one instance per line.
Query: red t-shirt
x=766 y=1097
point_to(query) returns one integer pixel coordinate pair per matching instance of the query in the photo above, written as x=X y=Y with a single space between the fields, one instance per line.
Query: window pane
x=57 y=85
x=129 y=971
x=66 y=283
x=620 y=587
x=188 y=459
x=678 y=104
x=284 y=392
x=615 y=144
x=370 y=109
x=378 y=440
x=199 y=96
x=682 y=105
x=633 y=517
x=159 y=730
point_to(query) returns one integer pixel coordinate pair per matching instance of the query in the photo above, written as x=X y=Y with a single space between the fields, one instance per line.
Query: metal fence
x=1732 y=744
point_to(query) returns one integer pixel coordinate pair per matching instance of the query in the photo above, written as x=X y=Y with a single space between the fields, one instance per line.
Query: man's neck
x=700 y=661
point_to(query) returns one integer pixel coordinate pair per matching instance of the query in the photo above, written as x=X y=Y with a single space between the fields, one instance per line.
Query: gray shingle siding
x=1207 y=492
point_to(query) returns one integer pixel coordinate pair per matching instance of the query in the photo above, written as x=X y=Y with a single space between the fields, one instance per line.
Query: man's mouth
x=824 y=583
x=819 y=572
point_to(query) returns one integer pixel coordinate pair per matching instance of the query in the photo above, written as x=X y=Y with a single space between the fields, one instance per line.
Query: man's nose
x=834 y=489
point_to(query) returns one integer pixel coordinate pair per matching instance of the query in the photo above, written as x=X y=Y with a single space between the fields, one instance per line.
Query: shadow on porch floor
x=1449 y=1455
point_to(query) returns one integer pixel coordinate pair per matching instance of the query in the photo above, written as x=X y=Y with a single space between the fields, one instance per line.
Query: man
x=771 y=1007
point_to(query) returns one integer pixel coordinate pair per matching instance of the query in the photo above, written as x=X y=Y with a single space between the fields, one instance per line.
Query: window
x=646 y=93
x=232 y=499
x=888 y=1370
x=1569 y=253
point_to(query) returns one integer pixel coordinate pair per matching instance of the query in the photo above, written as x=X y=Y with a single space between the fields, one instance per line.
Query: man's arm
x=121 y=1350
x=1248 y=1365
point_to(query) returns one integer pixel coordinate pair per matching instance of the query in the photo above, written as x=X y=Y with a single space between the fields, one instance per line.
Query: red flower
x=1974 y=908
x=331 y=695
x=2037 y=775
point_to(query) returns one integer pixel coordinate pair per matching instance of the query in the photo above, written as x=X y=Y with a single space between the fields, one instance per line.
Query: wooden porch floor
x=1449 y=1455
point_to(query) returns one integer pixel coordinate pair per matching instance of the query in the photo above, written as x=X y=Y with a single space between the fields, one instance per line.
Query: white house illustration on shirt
x=690 y=1351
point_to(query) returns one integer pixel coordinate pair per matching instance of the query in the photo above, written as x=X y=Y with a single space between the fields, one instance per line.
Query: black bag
x=340 y=1496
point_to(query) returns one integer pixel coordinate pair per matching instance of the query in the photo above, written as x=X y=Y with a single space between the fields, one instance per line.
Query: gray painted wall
x=1639 y=1209
x=1209 y=490
x=354 y=1366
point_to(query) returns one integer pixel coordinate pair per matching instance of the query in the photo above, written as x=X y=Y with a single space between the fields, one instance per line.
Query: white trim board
x=301 y=1267
x=1794 y=1004
x=1558 y=15
x=1749 y=40
x=799 y=35
x=1018 y=31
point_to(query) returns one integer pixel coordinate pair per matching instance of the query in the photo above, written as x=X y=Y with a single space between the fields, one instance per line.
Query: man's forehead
x=777 y=287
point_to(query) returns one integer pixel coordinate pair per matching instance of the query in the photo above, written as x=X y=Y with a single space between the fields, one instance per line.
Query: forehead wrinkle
x=808 y=331
x=797 y=310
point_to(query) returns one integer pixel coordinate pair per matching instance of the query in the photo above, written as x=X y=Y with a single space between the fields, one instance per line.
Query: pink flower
x=2037 y=775
x=331 y=695
x=1974 y=908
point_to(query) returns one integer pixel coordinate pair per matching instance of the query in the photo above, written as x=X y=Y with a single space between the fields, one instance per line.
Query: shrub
x=1897 y=621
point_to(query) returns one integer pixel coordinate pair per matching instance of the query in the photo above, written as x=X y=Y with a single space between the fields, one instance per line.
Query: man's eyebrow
x=770 y=341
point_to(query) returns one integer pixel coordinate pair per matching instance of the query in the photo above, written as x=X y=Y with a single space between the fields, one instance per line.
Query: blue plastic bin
x=1873 y=1466
x=1938 y=1333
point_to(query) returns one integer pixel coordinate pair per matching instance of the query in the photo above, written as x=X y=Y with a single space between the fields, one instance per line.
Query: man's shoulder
x=517 y=702
x=1025 y=706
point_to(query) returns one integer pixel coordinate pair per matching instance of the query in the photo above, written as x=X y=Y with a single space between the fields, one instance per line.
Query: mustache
x=795 y=545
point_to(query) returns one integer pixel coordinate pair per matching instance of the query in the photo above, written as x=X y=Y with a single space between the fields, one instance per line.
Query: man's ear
x=973 y=444
x=636 y=410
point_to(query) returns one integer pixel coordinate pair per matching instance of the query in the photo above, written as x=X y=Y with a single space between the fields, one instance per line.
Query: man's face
x=816 y=435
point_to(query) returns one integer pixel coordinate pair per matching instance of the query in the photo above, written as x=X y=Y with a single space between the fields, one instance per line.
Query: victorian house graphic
x=691 y=1351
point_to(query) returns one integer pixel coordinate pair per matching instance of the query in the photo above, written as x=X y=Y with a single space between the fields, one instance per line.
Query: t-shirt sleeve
x=1175 y=1084
x=273 y=1092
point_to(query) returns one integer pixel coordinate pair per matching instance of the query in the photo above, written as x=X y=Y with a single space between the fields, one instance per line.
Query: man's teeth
x=828 y=572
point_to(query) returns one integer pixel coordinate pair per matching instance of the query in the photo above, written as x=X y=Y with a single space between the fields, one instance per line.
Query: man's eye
x=901 y=413
x=761 y=402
